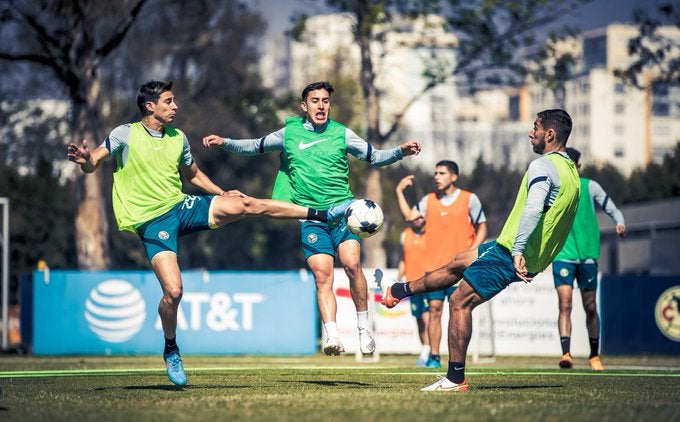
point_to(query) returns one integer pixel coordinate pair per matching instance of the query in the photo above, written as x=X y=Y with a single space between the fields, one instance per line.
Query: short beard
x=539 y=148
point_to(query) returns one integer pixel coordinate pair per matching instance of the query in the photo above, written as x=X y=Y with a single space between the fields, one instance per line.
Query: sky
x=596 y=14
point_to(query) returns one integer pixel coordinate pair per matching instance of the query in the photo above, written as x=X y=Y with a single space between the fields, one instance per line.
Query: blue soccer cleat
x=173 y=363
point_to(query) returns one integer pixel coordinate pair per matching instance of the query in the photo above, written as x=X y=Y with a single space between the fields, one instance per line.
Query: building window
x=660 y=109
x=619 y=88
x=619 y=108
x=619 y=151
x=660 y=89
x=619 y=130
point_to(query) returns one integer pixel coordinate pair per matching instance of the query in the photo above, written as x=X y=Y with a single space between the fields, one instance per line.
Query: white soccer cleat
x=333 y=346
x=444 y=384
x=385 y=285
x=366 y=341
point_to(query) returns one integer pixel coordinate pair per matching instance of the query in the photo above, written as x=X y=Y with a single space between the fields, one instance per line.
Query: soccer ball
x=364 y=218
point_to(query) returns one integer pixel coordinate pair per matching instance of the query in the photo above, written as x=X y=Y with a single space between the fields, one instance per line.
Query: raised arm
x=81 y=155
x=272 y=142
x=406 y=210
x=362 y=150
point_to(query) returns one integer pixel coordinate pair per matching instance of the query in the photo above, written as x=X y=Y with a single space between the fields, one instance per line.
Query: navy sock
x=566 y=344
x=401 y=290
x=456 y=372
x=594 y=346
x=170 y=345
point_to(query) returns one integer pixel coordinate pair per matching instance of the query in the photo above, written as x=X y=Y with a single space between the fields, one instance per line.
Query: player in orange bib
x=455 y=223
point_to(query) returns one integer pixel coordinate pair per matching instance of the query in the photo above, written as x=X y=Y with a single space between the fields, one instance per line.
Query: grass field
x=321 y=388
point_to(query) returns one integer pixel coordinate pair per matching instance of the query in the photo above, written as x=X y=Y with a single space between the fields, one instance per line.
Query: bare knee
x=565 y=307
x=173 y=295
x=252 y=206
x=435 y=309
x=352 y=269
x=323 y=280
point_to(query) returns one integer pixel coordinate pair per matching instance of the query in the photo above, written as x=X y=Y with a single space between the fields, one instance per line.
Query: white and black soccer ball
x=364 y=218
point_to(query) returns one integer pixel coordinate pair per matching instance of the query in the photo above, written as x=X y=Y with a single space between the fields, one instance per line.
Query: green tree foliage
x=654 y=182
x=41 y=218
x=653 y=53
x=610 y=178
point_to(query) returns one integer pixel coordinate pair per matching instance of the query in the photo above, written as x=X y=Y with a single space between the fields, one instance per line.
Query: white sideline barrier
x=524 y=320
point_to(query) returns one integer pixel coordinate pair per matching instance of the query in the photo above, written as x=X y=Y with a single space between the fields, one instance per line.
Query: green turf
x=320 y=388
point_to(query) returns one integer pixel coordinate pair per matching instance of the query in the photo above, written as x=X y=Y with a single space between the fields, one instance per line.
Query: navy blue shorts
x=188 y=216
x=321 y=238
x=492 y=271
x=418 y=305
x=585 y=274
x=441 y=294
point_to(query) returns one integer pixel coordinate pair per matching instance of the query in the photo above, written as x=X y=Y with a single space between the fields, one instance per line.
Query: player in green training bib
x=533 y=234
x=314 y=172
x=578 y=261
x=148 y=199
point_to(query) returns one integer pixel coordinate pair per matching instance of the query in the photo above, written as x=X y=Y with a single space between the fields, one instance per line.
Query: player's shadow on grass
x=514 y=387
x=334 y=383
x=168 y=387
x=163 y=387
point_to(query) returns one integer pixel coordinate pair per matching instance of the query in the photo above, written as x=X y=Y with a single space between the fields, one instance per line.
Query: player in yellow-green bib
x=148 y=198
x=533 y=234
x=314 y=172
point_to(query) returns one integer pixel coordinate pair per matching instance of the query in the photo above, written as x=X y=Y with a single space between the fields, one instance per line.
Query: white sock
x=331 y=329
x=425 y=352
x=362 y=319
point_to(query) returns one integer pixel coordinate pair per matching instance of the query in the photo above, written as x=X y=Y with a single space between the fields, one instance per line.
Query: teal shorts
x=188 y=216
x=440 y=294
x=492 y=271
x=321 y=238
x=418 y=305
x=585 y=274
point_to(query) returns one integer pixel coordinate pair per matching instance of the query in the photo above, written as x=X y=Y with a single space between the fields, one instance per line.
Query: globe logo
x=667 y=313
x=115 y=311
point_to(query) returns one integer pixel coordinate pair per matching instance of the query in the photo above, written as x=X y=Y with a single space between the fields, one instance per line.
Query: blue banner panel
x=225 y=312
x=640 y=315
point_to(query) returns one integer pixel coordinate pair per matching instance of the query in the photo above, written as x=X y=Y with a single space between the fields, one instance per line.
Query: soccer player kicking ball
x=148 y=198
x=534 y=232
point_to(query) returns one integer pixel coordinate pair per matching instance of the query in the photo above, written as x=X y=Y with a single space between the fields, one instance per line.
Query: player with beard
x=533 y=234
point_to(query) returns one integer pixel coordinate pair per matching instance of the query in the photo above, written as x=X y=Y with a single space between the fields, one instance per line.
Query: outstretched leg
x=227 y=209
x=439 y=279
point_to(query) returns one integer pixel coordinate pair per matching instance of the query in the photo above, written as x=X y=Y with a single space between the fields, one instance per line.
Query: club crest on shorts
x=564 y=272
x=667 y=313
x=163 y=235
x=312 y=238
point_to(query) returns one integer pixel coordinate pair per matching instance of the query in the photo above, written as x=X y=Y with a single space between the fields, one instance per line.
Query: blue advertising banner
x=640 y=315
x=225 y=312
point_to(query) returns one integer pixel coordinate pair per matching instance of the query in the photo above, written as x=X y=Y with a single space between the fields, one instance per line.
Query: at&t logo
x=115 y=311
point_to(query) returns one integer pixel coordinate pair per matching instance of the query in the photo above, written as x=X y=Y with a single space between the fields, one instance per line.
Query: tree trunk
x=373 y=250
x=91 y=223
